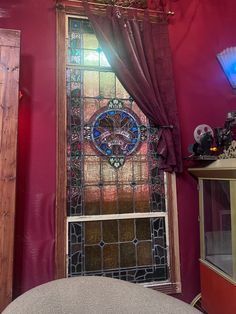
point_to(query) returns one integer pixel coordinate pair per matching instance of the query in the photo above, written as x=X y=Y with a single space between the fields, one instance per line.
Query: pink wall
x=198 y=31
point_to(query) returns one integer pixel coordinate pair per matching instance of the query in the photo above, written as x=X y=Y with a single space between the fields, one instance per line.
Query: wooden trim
x=175 y=277
x=115 y=216
x=10 y=38
x=60 y=245
x=233 y=224
x=201 y=218
x=174 y=286
x=9 y=97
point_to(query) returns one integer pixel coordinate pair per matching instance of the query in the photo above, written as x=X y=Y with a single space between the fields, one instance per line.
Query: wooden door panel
x=9 y=79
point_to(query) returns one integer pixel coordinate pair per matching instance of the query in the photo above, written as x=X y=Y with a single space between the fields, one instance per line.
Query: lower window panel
x=130 y=249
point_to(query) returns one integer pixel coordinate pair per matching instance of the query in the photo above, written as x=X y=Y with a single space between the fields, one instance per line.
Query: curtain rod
x=61 y=4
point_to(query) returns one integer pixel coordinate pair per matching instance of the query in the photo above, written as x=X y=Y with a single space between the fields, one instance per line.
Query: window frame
x=174 y=283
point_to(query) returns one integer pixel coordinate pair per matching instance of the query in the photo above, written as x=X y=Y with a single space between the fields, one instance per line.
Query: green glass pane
x=74 y=55
x=93 y=259
x=92 y=232
x=126 y=230
x=74 y=40
x=74 y=24
x=86 y=27
x=110 y=256
x=103 y=60
x=91 y=83
x=143 y=231
x=90 y=58
x=107 y=84
x=90 y=41
x=110 y=231
x=144 y=253
x=127 y=255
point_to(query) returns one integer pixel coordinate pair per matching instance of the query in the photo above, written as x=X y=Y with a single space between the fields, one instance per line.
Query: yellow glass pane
x=92 y=200
x=110 y=256
x=93 y=259
x=120 y=91
x=110 y=231
x=91 y=83
x=109 y=200
x=92 y=232
x=90 y=41
x=109 y=174
x=126 y=230
x=127 y=255
x=91 y=169
x=125 y=199
x=107 y=84
x=125 y=174
x=140 y=167
x=144 y=253
x=103 y=103
x=90 y=57
x=141 y=197
x=143 y=231
x=90 y=106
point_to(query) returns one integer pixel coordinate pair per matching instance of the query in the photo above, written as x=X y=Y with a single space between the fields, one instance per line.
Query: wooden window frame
x=173 y=285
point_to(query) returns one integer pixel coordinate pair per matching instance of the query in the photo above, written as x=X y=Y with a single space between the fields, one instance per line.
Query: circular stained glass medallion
x=116 y=132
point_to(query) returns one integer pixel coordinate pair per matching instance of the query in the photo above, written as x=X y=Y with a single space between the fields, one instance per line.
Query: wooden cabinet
x=9 y=77
x=217 y=203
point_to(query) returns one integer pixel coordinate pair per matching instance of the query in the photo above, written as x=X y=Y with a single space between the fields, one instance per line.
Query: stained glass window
x=116 y=194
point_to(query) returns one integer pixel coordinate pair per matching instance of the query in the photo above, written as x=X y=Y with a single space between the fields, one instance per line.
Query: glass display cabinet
x=217 y=213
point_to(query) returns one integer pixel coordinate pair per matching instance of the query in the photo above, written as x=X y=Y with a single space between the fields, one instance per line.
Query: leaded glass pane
x=91 y=83
x=125 y=199
x=112 y=169
x=90 y=57
x=130 y=248
x=120 y=91
x=107 y=84
x=103 y=60
x=109 y=200
x=90 y=41
x=92 y=196
x=91 y=169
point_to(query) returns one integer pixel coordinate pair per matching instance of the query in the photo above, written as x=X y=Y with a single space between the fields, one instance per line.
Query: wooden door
x=9 y=79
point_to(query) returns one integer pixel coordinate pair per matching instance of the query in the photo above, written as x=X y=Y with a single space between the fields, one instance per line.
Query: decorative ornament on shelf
x=142 y=4
x=230 y=152
x=227 y=59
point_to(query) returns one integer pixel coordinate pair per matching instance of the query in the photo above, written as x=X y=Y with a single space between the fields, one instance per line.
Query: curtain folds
x=139 y=53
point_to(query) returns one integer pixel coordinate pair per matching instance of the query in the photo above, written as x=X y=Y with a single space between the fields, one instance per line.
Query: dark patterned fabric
x=139 y=54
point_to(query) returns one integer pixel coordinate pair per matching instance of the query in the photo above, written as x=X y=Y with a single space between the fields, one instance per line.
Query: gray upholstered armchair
x=96 y=295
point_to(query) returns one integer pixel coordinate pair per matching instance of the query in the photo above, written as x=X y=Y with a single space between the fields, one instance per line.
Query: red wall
x=37 y=140
x=198 y=31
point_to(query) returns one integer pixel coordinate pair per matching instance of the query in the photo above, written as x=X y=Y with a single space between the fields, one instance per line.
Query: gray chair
x=96 y=295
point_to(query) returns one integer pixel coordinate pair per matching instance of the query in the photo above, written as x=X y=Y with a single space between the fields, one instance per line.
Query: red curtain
x=139 y=53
